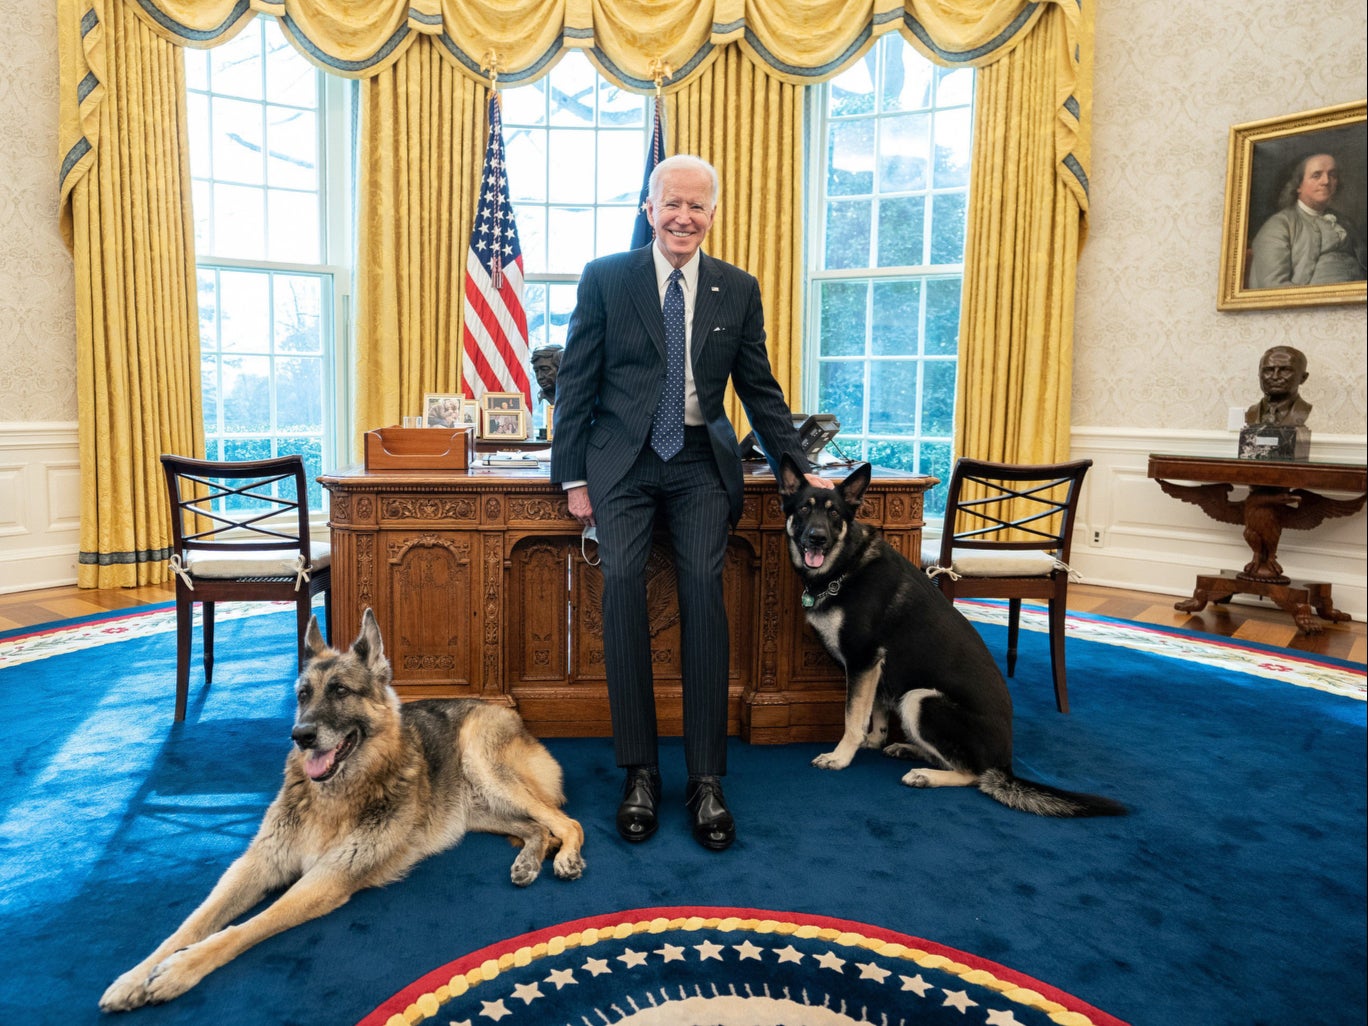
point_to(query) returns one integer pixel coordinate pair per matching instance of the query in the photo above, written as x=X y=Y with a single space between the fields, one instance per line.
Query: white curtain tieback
x=302 y=571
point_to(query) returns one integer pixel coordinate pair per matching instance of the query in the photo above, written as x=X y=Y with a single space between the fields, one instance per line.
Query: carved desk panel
x=481 y=590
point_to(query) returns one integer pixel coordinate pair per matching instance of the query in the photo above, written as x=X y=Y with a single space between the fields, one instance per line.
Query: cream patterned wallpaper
x=37 y=308
x=1152 y=350
x=1171 y=78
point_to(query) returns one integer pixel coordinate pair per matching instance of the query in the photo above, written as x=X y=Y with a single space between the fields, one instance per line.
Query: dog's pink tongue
x=318 y=763
x=814 y=559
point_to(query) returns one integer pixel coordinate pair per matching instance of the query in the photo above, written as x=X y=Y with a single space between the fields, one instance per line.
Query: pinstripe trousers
x=689 y=491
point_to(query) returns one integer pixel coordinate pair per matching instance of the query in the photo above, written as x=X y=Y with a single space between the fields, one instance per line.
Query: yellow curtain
x=127 y=219
x=749 y=125
x=423 y=130
x=1023 y=234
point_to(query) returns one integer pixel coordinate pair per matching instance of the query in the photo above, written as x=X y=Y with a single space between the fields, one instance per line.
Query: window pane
x=621 y=162
x=235 y=67
x=941 y=333
x=842 y=317
x=298 y=309
x=841 y=390
x=238 y=142
x=619 y=109
x=562 y=304
x=850 y=159
x=239 y=217
x=525 y=152
x=572 y=94
x=947 y=228
x=298 y=393
x=897 y=308
x=852 y=91
x=902 y=226
x=847 y=235
x=289 y=74
x=938 y=398
x=953 y=131
x=246 y=393
x=571 y=157
x=954 y=86
x=534 y=305
x=292 y=157
x=907 y=78
x=531 y=221
x=615 y=226
x=293 y=222
x=904 y=152
x=573 y=230
x=245 y=320
x=893 y=397
x=525 y=105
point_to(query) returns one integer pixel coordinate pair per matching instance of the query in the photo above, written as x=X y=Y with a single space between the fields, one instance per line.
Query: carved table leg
x=1319 y=597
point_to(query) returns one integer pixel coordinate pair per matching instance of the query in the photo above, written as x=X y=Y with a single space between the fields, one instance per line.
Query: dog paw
x=569 y=865
x=875 y=739
x=525 y=869
x=917 y=778
x=902 y=750
x=831 y=761
x=129 y=991
x=176 y=974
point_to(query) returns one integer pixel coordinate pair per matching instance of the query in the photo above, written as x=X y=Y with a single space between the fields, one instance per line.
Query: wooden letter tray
x=398 y=448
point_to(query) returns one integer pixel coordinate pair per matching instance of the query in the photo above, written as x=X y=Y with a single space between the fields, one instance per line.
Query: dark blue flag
x=643 y=233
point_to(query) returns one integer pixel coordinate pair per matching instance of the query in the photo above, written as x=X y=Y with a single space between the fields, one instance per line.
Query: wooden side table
x=1280 y=496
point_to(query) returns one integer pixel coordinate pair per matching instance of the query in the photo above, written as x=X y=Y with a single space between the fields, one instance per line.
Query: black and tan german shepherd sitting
x=905 y=647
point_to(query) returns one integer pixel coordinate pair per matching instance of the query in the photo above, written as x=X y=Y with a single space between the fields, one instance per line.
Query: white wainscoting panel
x=40 y=505
x=1130 y=534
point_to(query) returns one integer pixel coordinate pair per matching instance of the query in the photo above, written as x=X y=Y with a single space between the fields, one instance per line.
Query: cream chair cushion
x=254 y=562
x=986 y=563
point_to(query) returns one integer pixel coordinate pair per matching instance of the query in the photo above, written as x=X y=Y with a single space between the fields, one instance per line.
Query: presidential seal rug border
x=727 y=966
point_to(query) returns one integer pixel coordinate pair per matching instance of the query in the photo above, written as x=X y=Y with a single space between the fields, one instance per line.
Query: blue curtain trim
x=122 y=558
x=195 y=35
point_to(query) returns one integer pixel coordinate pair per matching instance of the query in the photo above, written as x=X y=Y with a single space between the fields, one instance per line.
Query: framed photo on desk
x=510 y=425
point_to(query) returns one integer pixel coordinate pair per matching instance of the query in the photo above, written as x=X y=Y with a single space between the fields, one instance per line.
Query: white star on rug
x=596 y=966
x=999 y=1018
x=527 y=992
x=562 y=977
x=748 y=950
x=631 y=959
x=708 y=950
x=789 y=954
x=915 y=983
x=494 y=1010
x=958 y=999
x=670 y=953
x=830 y=961
x=870 y=971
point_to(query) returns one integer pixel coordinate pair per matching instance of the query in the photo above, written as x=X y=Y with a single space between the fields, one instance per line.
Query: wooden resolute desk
x=1281 y=495
x=480 y=589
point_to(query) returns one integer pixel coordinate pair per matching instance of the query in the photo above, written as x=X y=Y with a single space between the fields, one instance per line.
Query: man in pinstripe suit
x=613 y=375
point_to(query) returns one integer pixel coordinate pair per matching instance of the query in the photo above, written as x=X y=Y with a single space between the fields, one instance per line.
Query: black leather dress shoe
x=713 y=826
x=636 y=815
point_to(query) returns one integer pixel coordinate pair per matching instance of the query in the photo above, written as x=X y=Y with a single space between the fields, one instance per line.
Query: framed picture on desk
x=1295 y=211
x=510 y=425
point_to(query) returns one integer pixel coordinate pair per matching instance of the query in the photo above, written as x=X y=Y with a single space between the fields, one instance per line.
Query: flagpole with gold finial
x=491 y=64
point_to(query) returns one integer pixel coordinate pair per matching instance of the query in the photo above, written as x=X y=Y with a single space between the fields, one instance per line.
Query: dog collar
x=810 y=599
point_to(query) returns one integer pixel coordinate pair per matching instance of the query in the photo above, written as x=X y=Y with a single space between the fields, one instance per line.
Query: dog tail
x=1043 y=800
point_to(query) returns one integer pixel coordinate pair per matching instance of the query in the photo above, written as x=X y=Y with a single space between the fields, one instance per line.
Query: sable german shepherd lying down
x=371 y=788
x=906 y=648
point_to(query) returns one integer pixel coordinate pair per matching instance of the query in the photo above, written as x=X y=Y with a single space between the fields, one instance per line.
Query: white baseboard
x=1132 y=535
x=40 y=505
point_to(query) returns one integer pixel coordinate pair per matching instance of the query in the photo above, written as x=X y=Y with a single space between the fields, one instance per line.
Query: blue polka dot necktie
x=667 y=427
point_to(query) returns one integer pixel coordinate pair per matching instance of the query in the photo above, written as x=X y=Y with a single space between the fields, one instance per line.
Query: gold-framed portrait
x=510 y=425
x=1295 y=211
x=503 y=402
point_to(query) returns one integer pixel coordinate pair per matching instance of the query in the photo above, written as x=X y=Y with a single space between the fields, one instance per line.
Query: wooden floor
x=1265 y=624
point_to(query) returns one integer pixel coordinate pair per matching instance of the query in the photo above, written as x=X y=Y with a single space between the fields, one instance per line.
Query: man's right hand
x=580 y=506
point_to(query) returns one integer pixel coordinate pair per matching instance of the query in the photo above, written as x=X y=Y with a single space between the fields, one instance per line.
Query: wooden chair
x=1008 y=531
x=241 y=534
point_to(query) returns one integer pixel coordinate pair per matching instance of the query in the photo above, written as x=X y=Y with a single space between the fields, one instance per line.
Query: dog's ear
x=790 y=477
x=314 y=645
x=853 y=487
x=368 y=646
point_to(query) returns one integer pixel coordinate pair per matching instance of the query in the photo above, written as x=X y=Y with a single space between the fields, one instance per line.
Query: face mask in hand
x=589 y=534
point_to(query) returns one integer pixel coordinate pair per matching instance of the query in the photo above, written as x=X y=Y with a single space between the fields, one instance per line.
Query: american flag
x=642 y=233
x=495 y=336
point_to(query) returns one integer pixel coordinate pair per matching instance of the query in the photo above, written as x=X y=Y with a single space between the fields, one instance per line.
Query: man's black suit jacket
x=614 y=365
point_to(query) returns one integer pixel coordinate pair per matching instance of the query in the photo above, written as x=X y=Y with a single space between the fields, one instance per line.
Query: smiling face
x=682 y=213
x=1320 y=182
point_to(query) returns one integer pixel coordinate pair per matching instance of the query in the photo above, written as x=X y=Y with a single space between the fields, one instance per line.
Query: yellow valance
x=637 y=44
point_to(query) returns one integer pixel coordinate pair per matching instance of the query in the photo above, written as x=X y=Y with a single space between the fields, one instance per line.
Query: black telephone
x=814 y=432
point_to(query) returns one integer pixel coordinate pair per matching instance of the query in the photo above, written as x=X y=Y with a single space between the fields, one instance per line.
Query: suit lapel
x=706 y=304
x=645 y=296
